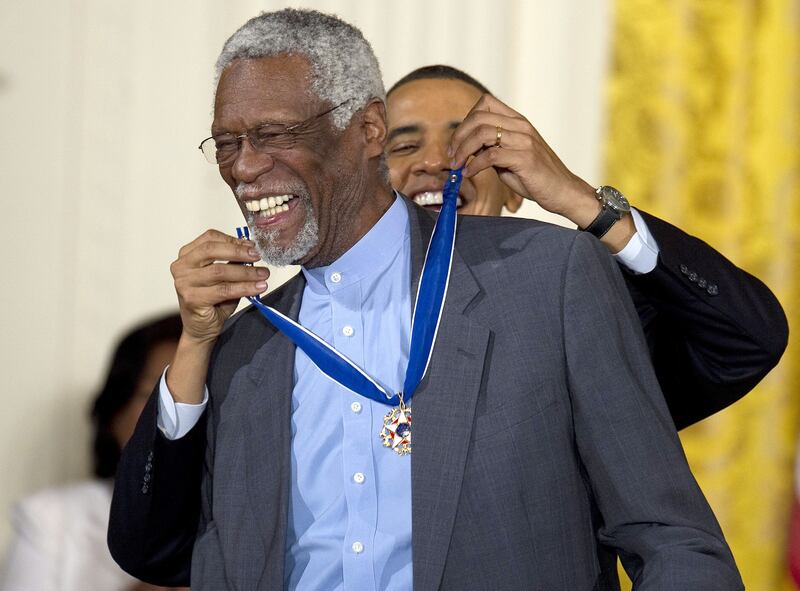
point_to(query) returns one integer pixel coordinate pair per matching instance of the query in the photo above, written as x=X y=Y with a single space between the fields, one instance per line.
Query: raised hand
x=210 y=279
x=209 y=287
x=498 y=137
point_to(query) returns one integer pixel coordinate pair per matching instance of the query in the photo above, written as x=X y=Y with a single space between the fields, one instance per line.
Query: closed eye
x=271 y=135
x=226 y=142
x=403 y=149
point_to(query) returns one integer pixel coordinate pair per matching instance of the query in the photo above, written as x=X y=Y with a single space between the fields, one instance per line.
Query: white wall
x=102 y=105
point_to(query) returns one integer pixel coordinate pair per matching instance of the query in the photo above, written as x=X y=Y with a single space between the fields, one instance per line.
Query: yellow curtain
x=703 y=129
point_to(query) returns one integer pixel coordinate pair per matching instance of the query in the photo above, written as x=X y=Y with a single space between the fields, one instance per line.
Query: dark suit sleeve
x=714 y=331
x=650 y=508
x=155 y=511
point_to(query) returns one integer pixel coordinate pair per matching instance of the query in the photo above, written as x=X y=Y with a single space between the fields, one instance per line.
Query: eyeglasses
x=267 y=138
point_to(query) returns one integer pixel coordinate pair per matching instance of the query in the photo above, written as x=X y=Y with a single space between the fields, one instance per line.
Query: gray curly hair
x=343 y=65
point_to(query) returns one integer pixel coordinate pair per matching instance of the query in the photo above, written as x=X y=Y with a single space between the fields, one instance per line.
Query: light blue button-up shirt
x=350 y=506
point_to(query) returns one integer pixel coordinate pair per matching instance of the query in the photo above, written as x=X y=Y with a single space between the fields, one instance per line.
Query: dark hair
x=124 y=373
x=437 y=72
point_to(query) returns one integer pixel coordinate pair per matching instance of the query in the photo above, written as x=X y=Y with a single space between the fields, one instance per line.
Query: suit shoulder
x=493 y=227
x=478 y=236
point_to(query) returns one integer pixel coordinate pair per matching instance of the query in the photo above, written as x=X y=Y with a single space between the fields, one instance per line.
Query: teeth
x=433 y=198
x=429 y=198
x=269 y=206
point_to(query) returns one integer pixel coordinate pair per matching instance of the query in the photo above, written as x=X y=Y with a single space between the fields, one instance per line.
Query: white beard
x=272 y=254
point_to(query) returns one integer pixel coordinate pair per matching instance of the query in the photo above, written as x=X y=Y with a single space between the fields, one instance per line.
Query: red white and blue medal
x=431 y=293
x=396 y=432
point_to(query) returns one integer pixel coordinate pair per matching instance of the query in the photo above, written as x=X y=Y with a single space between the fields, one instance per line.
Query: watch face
x=615 y=200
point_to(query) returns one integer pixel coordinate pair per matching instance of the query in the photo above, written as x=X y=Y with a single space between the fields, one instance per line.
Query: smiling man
x=714 y=330
x=424 y=109
x=316 y=204
x=275 y=455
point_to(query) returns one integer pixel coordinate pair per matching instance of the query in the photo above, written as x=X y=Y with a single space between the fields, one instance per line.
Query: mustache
x=243 y=190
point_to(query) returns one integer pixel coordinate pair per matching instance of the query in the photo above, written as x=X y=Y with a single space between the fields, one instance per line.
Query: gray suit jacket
x=542 y=445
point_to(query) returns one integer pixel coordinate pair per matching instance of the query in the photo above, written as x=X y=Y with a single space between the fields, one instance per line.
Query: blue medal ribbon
x=425 y=320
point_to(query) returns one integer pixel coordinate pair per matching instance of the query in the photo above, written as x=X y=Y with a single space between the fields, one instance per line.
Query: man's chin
x=274 y=259
x=279 y=254
x=275 y=255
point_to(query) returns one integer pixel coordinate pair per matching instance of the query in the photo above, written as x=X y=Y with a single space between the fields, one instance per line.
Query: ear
x=373 y=127
x=513 y=201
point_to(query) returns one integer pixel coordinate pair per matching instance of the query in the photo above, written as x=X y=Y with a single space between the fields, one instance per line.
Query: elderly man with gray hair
x=276 y=451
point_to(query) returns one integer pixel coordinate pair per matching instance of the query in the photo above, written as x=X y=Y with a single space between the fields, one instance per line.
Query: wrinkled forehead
x=264 y=88
x=431 y=101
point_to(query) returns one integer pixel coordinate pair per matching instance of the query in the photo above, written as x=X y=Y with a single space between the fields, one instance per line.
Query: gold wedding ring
x=498 y=138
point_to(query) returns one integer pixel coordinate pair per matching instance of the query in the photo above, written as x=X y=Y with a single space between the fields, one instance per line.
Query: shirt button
x=348 y=331
x=355 y=407
x=359 y=478
x=358 y=547
x=336 y=277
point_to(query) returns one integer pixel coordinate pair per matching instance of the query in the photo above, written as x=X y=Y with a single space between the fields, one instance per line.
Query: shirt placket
x=357 y=462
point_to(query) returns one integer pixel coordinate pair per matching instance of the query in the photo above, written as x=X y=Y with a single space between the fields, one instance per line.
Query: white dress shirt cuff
x=640 y=255
x=176 y=419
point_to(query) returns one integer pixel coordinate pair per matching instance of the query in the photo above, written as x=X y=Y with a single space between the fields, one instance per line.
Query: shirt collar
x=370 y=255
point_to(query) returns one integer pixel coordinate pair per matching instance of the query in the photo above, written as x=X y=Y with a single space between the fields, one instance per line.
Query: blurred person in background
x=714 y=331
x=60 y=533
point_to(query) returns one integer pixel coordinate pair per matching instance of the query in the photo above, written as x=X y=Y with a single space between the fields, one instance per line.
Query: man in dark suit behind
x=542 y=445
x=714 y=331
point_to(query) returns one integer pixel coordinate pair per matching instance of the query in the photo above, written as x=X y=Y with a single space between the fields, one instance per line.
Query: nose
x=250 y=163
x=432 y=159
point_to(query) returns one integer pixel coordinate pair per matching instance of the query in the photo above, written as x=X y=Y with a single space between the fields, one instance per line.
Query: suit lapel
x=269 y=380
x=444 y=409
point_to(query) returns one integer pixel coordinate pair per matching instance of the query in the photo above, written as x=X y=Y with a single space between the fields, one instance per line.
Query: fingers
x=217 y=274
x=200 y=263
x=487 y=102
x=210 y=279
x=499 y=158
x=218 y=283
x=481 y=143
x=208 y=235
x=201 y=298
x=493 y=135
x=479 y=131
x=215 y=246
x=206 y=250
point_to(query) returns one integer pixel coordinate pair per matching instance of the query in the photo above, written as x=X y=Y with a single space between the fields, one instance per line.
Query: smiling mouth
x=267 y=207
x=433 y=199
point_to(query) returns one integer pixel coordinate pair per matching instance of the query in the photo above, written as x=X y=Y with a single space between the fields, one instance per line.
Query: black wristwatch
x=614 y=206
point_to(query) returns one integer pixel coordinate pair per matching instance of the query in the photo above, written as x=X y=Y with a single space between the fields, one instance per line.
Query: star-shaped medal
x=396 y=432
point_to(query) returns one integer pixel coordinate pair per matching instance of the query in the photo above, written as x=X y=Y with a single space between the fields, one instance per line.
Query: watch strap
x=603 y=222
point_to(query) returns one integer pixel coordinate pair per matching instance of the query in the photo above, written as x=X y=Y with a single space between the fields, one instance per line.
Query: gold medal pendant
x=396 y=432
